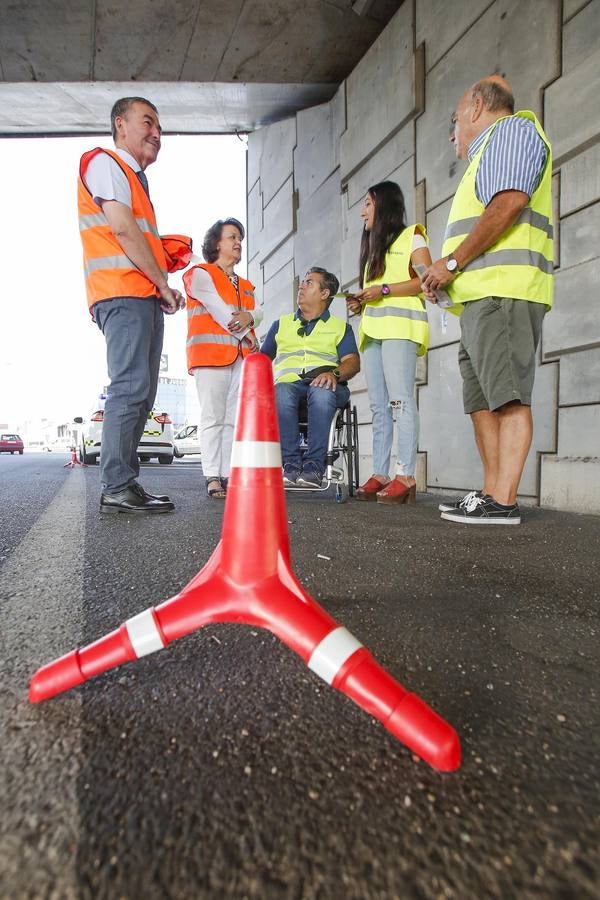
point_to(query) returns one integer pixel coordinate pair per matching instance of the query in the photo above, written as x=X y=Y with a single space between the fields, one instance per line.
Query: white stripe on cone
x=329 y=656
x=144 y=634
x=256 y=454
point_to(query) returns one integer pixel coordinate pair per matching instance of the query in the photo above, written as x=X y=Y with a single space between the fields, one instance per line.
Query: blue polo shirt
x=346 y=346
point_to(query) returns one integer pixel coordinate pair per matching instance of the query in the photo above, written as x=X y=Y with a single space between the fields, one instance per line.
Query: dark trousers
x=133 y=329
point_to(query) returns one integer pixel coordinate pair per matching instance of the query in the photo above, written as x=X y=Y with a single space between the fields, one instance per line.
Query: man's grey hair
x=121 y=108
x=328 y=281
x=496 y=98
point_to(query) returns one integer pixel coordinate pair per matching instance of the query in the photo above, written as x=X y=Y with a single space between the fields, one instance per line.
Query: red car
x=11 y=443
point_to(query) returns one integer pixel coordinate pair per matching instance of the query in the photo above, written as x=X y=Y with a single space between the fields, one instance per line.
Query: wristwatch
x=385 y=290
x=336 y=372
x=452 y=263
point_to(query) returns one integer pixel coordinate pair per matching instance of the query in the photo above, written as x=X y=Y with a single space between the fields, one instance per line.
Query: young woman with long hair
x=393 y=332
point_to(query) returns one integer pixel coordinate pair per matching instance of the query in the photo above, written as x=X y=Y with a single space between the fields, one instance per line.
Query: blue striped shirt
x=513 y=160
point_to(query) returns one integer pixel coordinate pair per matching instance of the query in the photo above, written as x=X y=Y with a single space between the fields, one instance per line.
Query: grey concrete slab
x=255 y=220
x=441 y=29
x=580 y=377
x=579 y=431
x=572 y=484
x=572 y=7
x=255 y=149
x=279 y=259
x=574 y=322
x=571 y=124
x=280 y=297
x=369 y=122
x=277 y=157
x=185 y=107
x=580 y=180
x=579 y=236
x=314 y=155
x=319 y=220
x=380 y=167
x=581 y=36
x=519 y=38
x=279 y=217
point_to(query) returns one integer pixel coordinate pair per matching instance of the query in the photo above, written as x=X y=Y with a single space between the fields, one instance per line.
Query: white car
x=186 y=442
x=156 y=441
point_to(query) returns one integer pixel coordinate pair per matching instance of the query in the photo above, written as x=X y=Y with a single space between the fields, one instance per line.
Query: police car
x=156 y=441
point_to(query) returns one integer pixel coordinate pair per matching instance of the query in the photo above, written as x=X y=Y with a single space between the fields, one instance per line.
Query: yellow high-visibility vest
x=403 y=318
x=297 y=354
x=520 y=264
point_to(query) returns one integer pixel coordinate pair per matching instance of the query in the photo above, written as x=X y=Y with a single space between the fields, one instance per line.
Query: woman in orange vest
x=221 y=319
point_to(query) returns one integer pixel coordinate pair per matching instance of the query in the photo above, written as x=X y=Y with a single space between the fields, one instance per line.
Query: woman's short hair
x=213 y=236
x=388 y=223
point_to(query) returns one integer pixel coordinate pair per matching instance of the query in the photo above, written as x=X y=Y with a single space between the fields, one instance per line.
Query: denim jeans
x=133 y=329
x=322 y=404
x=390 y=367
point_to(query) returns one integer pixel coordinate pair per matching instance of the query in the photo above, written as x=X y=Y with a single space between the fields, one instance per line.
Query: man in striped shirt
x=497 y=268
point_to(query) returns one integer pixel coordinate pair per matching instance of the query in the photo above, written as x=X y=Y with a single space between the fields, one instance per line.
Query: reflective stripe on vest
x=396 y=318
x=208 y=344
x=520 y=264
x=108 y=271
x=297 y=354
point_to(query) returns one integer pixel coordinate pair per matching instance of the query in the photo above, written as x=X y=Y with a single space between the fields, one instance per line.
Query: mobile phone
x=444 y=301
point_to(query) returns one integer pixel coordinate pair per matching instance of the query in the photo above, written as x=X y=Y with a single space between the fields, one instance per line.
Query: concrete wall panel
x=519 y=37
x=580 y=236
x=279 y=296
x=280 y=258
x=255 y=221
x=314 y=155
x=320 y=219
x=255 y=148
x=579 y=431
x=580 y=180
x=279 y=218
x=277 y=158
x=574 y=321
x=572 y=484
x=581 y=36
x=571 y=7
x=580 y=377
x=572 y=112
x=449 y=25
x=380 y=92
x=380 y=166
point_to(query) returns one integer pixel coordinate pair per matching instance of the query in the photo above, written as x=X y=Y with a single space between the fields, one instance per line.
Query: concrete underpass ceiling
x=210 y=67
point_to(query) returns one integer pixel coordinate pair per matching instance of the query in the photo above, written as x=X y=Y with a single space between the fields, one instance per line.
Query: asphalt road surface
x=222 y=767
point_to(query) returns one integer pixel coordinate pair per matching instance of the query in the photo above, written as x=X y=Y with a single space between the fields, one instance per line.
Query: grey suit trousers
x=133 y=329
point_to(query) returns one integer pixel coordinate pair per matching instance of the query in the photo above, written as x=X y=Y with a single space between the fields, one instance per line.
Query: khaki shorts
x=496 y=355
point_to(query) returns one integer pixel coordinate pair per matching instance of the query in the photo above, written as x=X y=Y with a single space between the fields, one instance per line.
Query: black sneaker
x=484 y=510
x=290 y=474
x=450 y=505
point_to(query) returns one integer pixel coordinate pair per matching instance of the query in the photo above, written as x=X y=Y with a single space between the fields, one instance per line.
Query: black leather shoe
x=144 y=493
x=131 y=501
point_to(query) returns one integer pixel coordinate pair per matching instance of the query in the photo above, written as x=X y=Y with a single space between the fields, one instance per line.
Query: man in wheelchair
x=315 y=356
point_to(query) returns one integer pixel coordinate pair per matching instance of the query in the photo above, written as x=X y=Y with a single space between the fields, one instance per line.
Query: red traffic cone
x=249 y=580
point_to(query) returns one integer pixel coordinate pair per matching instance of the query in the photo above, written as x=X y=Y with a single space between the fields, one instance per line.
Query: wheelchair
x=341 y=460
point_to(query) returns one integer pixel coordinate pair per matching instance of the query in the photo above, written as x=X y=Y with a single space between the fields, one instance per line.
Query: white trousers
x=218 y=388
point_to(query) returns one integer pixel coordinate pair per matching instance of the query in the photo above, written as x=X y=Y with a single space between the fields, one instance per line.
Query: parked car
x=156 y=441
x=187 y=442
x=11 y=443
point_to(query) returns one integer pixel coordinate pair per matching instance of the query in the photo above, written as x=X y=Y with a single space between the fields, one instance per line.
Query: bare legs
x=503 y=438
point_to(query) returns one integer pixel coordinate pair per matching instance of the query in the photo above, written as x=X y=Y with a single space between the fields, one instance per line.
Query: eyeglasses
x=302 y=330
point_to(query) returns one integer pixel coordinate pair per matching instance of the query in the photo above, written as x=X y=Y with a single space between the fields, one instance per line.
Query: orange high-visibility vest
x=207 y=343
x=108 y=271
